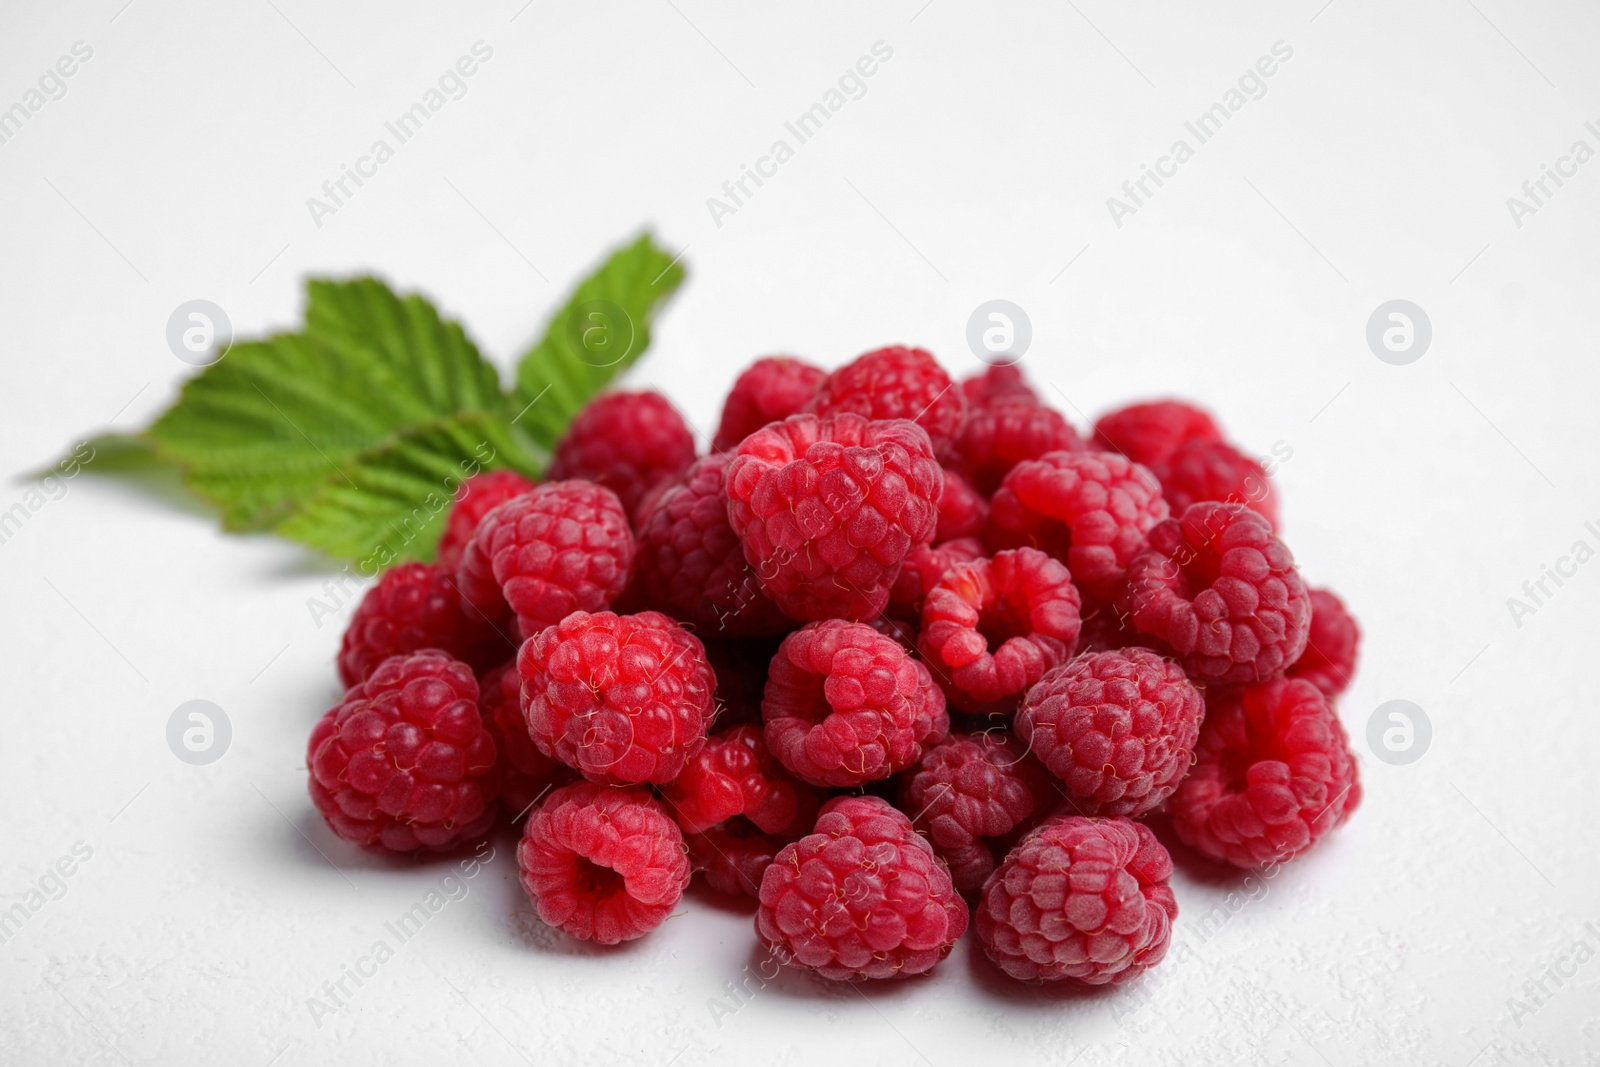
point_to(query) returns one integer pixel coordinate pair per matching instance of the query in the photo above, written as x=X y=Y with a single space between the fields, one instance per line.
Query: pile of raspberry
x=900 y=657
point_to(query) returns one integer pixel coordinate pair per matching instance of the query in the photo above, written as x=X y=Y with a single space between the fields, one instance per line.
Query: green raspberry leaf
x=390 y=502
x=600 y=332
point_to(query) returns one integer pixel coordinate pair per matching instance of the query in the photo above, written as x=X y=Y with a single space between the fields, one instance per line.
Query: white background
x=977 y=165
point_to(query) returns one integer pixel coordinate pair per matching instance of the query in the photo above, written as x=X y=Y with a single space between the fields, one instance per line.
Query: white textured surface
x=1376 y=166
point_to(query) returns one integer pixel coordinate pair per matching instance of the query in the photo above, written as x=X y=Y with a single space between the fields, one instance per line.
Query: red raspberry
x=1090 y=510
x=1085 y=900
x=403 y=763
x=899 y=631
x=995 y=383
x=1273 y=774
x=863 y=896
x=1149 y=433
x=1221 y=590
x=691 y=565
x=1329 y=661
x=968 y=789
x=734 y=774
x=828 y=508
x=770 y=389
x=623 y=699
x=896 y=383
x=1118 y=728
x=733 y=856
x=603 y=864
x=1215 y=470
x=412 y=607
x=564 y=547
x=627 y=442
x=846 y=705
x=992 y=628
x=1006 y=431
x=525 y=772
x=478 y=495
x=1106 y=631
x=962 y=512
x=925 y=566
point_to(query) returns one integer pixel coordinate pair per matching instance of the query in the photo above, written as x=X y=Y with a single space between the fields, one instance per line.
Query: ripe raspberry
x=525 y=772
x=863 y=896
x=691 y=565
x=896 y=383
x=403 y=763
x=968 y=789
x=923 y=569
x=1085 y=900
x=1090 y=510
x=828 y=508
x=1149 y=433
x=1215 y=470
x=564 y=547
x=992 y=628
x=627 y=442
x=962 y=512
x=846 y=705
x=622 y=699
x=1273 y=773
x=416 y=606
x=733 y=856
x=769 y=390
x=1106 y=631
x=1222 y=591
x=478 y=495
x=602 y=864
x=1329 y=661
x=1006 y=431
x=1118 y=728
x=734 y=774
x=994 y=383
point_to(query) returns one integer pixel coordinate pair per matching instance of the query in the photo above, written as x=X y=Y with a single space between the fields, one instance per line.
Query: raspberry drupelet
x=403 y=763
x=627 y=442
x=1117 y=728
x=733 y=774
x=1221 y=590
x=828 y=508
x=415 y=606
x=1090 y=510
x=1273 y=775
x=733 y=856
x=478 y=495
x=622 y=699
x=922 y=570
x=690 y=564
x=1004 y=432
x=1150 y=432
x=602 y=864
x=863 y=896
x=1215 y=470
x=564 y=547
x=969 y=790
x=769 y=390
x=996 y=382
x=846 y=705
x=1080 y=900
x=525 y=772
x=896 y=383
x=1332 y=647
x=993 y=627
